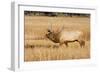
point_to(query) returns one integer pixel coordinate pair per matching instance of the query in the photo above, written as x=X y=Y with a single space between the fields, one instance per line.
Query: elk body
x=65 y=37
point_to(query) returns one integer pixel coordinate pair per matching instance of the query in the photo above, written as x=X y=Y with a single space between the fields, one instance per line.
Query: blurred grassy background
x=43 y=49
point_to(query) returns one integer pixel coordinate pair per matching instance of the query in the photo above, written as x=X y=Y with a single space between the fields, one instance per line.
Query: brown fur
x=55 y=37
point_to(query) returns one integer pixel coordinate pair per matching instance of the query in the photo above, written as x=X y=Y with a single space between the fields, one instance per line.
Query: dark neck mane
x=56 y=38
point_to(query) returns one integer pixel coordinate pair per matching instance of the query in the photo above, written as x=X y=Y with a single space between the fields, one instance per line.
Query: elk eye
x=48 y=30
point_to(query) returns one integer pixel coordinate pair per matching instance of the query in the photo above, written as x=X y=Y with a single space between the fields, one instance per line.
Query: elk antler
x=59 y=29
x=50 y=28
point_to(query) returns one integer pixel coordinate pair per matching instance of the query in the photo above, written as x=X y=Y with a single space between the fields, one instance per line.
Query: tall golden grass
x=44 y=49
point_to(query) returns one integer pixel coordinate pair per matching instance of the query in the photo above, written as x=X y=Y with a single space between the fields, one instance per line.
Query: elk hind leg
x=82 y=43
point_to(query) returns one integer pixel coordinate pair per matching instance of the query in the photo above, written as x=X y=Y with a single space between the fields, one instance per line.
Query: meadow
x=39 y=48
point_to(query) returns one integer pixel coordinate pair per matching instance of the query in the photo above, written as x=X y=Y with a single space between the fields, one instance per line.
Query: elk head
x=53 y=35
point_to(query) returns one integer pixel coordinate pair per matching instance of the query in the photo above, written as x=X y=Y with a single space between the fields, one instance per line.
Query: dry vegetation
x=37 y=49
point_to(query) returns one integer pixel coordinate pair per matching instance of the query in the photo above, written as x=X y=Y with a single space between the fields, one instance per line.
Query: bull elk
x=64 y=37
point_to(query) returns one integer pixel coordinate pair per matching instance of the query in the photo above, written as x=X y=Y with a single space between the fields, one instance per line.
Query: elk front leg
x=61 y=43
x=66 y=43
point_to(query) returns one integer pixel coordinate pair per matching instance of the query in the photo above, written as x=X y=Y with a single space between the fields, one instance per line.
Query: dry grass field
x=37 y=48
